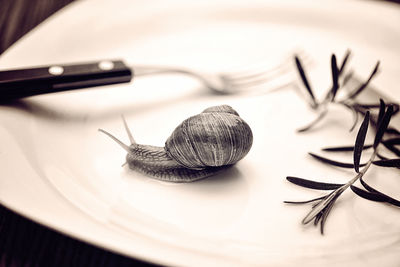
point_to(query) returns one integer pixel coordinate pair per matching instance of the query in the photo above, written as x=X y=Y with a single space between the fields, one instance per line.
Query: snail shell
x=199 y=147
x=215 y=137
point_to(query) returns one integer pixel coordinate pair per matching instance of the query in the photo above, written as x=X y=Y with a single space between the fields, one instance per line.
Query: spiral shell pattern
x=215 y=137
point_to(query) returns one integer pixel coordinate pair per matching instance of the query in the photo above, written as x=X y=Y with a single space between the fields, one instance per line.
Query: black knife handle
x=18 y=83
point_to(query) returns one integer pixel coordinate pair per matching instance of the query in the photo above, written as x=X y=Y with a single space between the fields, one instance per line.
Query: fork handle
x=19 y=83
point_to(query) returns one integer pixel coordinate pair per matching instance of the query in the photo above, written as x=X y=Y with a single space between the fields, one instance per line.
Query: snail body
x=201 y=146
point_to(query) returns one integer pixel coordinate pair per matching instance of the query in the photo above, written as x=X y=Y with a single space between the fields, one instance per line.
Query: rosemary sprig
x=330 y=96
x=330 y=198
x=323 y=205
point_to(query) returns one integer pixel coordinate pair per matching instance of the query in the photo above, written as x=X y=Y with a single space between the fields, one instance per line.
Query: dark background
x=17 y=17
x=23 y=242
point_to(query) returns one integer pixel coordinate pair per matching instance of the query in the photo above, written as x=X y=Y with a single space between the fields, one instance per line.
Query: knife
x=19 y=83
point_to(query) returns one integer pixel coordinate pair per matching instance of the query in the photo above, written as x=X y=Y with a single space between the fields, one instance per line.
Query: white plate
x=60 y=171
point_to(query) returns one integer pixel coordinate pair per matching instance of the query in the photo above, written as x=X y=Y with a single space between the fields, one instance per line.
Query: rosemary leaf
x=365 y=84
x=305 y=81
x=321 y=205
x=387 y=198
x=347 y=78
x=345 y=59
x=326 y=212
x=305 y=201
x=392 y=148
x=392 y=141
x=343 y=148
x=335 y=77
x=318 y=218
x=391 y=144
x=312 y=184
x=378 y=106
x=333 y=162
x=396 y=108
x=367 y=106
x=370 y=106
x=382 y=107
x=367 y=186
x=359 y=144
x=381 y=156
x=394 y=163
x=382 y=126
x=392 y=130
x=367 y=195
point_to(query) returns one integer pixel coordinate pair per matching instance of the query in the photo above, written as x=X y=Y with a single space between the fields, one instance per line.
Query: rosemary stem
x=321 y=205
x=321 y=115
x=335 y=193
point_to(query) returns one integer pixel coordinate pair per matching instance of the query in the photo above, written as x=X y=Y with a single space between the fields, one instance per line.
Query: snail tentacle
x=151 y=155
x=119 y=142
x=128 y=131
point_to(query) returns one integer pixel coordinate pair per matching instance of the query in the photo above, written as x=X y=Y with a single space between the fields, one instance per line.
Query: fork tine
x=255 y=82
x=254 y=78
x=251 y=74
x=270 y=70
x=265 y=74
x=273 y=71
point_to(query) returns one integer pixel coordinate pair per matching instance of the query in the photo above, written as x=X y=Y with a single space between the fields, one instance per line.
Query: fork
x=19 y=83
x=234 y=82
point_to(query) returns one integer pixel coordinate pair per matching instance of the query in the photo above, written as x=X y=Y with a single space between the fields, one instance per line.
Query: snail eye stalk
x=119 y=142
x=128 y=131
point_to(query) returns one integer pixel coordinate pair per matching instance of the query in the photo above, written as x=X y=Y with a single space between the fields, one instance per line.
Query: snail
x=201 y=146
